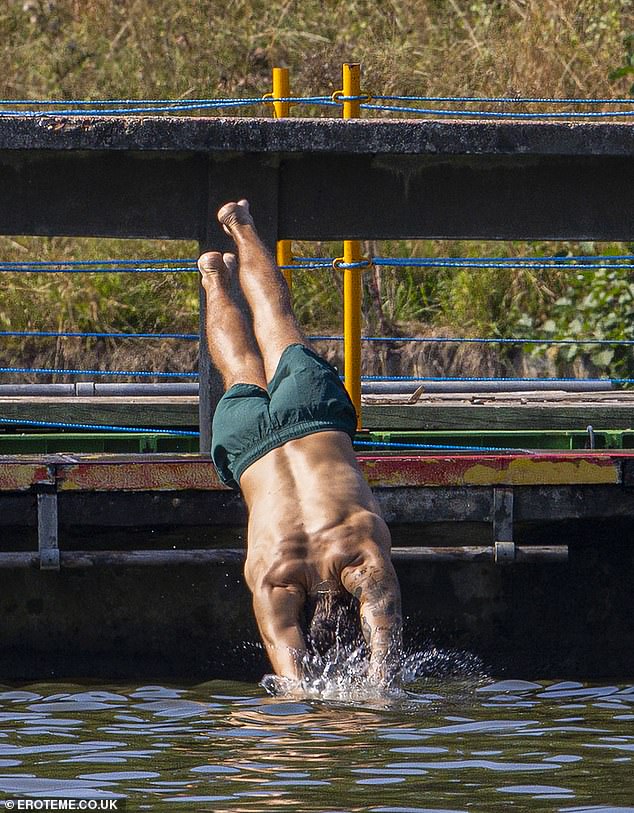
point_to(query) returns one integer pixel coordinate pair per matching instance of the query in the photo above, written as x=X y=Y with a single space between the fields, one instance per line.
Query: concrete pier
x=131 y=565
x=112 y=566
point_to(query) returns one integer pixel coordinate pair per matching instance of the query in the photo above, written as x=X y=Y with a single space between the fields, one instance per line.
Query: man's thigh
x=305 y=387
x=240 y=421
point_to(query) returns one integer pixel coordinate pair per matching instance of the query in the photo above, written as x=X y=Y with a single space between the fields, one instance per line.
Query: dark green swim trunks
x=304 y=396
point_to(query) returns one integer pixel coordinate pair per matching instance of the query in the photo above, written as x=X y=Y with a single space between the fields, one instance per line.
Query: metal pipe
x=134 y=390
x=410 y=387
x=36 y=390
x=285 y=258
x=89 y=389
x=351 y=87
x=158 y=558
x=281 y=90
x=352 y=292
x=352 y=288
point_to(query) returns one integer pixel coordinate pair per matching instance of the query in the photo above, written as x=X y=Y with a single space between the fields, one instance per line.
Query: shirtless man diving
x=282 y=433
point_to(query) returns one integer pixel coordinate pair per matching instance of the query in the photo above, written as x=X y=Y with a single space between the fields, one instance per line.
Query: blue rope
x=463 y=340
x=194 y=102
x=193 y=434
x=122 y=262
x=55 y=371
x=581 y=263
x=118 y=267
x=148 y=106
x=483 y=114
x=499 y=99
x=538 y=263
x=484 y=378
x=307 y=262
x=100 y=427
x=194 y=337
x=72 y=334
x=434 y=446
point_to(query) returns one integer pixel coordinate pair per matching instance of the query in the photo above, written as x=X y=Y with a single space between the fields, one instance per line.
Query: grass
x=202 y=48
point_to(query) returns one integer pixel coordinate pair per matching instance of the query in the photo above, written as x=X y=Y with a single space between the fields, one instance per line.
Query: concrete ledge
x=363 y=136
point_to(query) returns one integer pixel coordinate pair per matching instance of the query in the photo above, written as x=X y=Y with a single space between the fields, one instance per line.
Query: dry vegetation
x=204 y=48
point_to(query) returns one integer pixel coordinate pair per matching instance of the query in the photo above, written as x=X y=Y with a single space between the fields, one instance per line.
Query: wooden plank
x=171 y=558
x=183 y=411
x=137 y=412
x=499 y=417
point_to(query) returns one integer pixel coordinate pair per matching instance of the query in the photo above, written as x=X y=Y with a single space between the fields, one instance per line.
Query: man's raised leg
x=229 y=336
x=264 y=287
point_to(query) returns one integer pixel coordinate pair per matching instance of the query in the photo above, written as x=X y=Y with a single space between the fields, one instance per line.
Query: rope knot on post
x=339 y=97
x=340 y=264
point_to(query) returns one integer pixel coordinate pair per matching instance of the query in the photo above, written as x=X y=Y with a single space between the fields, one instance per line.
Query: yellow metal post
x=285 y=257
x=352 y=324
x=352 y=289
x=281 y=90
x=351 y=87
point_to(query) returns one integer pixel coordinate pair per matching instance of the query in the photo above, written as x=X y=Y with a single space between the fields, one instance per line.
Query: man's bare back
x=314 y=525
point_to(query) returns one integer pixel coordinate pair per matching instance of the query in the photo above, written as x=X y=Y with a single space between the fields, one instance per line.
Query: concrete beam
x=155 y=177
x=333 y=136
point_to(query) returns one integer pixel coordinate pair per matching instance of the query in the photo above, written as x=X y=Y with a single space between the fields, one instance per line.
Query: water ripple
x=229 y=746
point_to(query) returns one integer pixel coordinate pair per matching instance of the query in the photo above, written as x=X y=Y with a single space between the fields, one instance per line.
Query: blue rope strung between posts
x=475 y=340
x=159 y=374
x=310 y=100
x=101 y=427
x=194 y=337
x=147 y=106
x=85 y=107
x=121 y=262
x=493 y=379
x=193 y=102
x=102 y=267
x=431 y=446
x=187 y=433
x=57 y=371
x=497 y=99
x=77 y=334
x=497 y=114
x=580 y=263
x=187 y=265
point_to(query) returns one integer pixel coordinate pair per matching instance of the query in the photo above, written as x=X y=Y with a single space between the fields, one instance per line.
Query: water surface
x=450 y=744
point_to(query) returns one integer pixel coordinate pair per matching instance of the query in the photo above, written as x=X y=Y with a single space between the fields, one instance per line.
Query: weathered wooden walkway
x=500 y=411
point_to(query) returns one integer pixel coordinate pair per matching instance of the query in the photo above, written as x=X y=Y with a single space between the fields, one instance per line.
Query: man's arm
x=278 y=611
x=375 y=585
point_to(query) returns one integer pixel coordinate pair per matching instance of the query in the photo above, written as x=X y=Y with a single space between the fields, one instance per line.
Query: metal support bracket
x=504 y=547
x=47 y=537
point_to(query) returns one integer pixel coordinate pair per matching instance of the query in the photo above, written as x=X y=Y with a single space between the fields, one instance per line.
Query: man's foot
x=216 y=266
x=235 y=214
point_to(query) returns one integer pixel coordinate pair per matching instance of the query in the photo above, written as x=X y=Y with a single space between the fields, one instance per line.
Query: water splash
x=344 y=674
x=336 y=665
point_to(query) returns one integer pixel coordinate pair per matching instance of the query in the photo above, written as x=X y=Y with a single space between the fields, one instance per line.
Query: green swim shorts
x=304 y=396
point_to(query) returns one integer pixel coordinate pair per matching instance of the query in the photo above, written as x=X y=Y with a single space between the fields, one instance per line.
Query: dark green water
x=452 y=745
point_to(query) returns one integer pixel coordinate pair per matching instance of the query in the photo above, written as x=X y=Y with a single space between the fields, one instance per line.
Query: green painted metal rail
x=112 y=442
